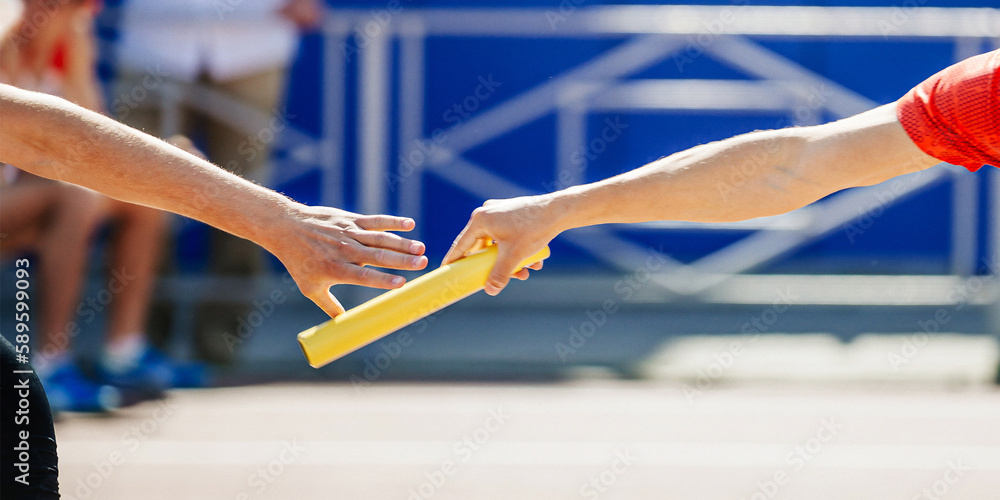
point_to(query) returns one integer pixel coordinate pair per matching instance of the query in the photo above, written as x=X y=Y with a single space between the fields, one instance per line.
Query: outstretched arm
x=320 y=246
x=744 y=177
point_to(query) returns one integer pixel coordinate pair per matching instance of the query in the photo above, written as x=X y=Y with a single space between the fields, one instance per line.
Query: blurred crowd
x=237 y=53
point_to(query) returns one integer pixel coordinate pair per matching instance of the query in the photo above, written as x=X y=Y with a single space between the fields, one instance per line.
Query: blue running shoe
x=155 y=372
x=191 y=375
x=69 y=390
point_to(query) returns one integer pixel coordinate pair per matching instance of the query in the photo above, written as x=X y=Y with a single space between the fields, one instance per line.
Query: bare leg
x=57 y=220
x=24 y=210
x=63 y=249
x=136 y=256
x=246 y=154
x=129 y=361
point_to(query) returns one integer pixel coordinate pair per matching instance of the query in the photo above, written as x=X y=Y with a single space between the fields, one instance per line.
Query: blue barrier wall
x=911 y=236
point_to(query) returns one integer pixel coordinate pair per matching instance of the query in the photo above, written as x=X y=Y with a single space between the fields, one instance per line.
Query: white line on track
x=507 y=453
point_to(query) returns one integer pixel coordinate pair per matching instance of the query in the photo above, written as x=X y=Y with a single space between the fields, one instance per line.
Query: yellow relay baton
x=397 y=308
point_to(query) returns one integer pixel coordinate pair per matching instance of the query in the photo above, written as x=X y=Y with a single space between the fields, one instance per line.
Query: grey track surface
x=383 y=441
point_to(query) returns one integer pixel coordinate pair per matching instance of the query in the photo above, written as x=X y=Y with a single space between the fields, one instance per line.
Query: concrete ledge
x=937 y=358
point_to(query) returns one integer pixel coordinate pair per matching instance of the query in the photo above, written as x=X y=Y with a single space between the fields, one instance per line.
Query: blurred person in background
x=52 y=50
x=242 y=50
x=320 y=246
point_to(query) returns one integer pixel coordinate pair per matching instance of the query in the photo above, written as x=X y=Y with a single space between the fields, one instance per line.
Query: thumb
x=327 y=302
x=507 y=262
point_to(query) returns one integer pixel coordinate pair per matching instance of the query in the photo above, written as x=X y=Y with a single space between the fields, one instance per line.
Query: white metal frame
x=654 y=34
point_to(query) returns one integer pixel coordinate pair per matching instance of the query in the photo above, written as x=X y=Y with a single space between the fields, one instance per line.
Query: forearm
x=749 y=176
x=52 y=138
x=736 y=179
x=320 y=246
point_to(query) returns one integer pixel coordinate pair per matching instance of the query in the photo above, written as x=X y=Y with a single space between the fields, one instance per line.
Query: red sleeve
x=954 y=115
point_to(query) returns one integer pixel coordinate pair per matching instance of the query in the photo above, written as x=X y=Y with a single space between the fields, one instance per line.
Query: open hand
x=327 y=246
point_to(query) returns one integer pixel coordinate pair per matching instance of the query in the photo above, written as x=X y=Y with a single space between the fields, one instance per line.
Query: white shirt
x=10 y=13
x=225 y=38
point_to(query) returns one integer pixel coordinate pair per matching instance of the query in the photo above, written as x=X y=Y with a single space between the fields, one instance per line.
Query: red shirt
x=954 y=115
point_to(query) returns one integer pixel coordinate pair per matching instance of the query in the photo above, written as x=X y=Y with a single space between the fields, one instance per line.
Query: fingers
x=381 y=257
x=327 y=302
x=507 y=262
x=389 y=241
x=317 y=286
x=465 y=242
x=366 y=276
x=374 y=225
x=524 y=273
x=385 y=223
x=480 y=244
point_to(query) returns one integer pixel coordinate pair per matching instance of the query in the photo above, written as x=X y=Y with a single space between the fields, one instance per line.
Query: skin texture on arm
x=319 y=246
x=744 y=177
